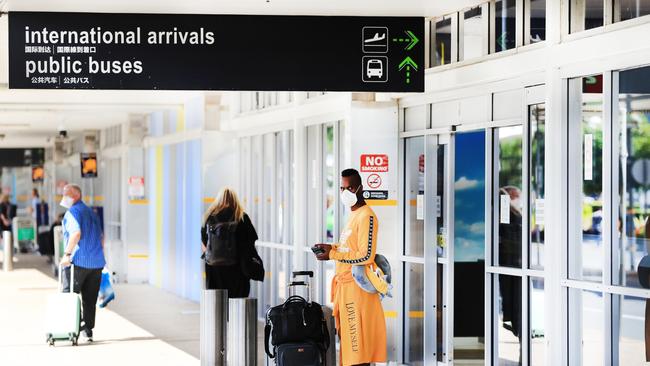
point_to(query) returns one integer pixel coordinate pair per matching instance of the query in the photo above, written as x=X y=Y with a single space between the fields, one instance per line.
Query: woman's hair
x=227 y=198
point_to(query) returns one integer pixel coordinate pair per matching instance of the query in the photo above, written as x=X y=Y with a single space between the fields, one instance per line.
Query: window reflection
x=630 y=9
x=537 y=118
x=586 y=14
x=586 y=332
x=331 y=194
x=443 y=42
x=440 y=199
x=414 y=183
x=504 y=18
x=509 y=320
x=473 y=33
x=537 y=315
x=634 y=176
x=586 y=254
x=631 y=325
x=537 y=21
x=415 y=314
x=469 y=246
x=510 y=197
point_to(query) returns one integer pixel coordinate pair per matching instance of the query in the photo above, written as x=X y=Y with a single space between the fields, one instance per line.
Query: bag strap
x=294 y=299
x=267 y=337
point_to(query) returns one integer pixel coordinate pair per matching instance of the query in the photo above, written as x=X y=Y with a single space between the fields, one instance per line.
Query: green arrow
x=408 y=61
x=414 y=40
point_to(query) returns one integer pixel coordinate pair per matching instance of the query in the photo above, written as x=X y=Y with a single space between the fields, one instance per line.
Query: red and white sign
x=136 y=187
x=374 y=163
x=374 y=181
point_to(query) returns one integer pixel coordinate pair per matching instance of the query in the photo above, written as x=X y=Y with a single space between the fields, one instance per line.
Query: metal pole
x=242 y=325
x=8 y=261
x=214 y=321
x=58 y=248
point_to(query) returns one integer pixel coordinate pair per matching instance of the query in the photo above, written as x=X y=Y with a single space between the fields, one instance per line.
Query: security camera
x=63 y=133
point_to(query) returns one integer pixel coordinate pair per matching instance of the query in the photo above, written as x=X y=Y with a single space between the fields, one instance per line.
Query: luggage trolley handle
x=303 y=273
x=306 y=282
x=71 y=277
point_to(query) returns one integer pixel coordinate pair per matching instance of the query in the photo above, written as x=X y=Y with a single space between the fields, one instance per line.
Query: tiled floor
x=143 y=326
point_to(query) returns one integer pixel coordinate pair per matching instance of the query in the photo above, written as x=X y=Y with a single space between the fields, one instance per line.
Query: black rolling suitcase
x=297 y=329
x=298 y=354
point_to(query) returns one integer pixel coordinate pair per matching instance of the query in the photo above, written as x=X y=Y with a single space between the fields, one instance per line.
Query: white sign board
x=504 y=216
x=420 y=207
x=539 y=211
x=589 y=148
x=136 y=188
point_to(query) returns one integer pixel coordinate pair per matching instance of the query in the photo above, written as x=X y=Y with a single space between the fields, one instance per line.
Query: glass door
x=515 y=238
x=425 y=242
x=467 y=254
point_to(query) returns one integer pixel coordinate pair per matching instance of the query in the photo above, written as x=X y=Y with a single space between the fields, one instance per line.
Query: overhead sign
x=215 y=52
x=88 y=165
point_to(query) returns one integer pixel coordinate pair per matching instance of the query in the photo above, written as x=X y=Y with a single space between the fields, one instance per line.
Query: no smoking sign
x=374 y=181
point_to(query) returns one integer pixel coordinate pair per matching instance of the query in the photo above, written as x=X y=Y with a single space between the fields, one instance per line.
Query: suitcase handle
x=71 y=277
x=303 y=273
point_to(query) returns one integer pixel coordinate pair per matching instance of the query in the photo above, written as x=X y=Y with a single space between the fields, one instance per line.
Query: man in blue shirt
x=84 y=240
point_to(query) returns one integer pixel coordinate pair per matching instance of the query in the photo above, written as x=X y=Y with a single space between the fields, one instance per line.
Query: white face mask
x=66 y=202
x=348 y=198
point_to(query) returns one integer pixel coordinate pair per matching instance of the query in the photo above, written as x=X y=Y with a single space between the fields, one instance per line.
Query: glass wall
x=266 y=175
x=609 y=259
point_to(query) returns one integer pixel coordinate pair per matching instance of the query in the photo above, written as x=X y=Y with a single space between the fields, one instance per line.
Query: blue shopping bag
x=106 y=292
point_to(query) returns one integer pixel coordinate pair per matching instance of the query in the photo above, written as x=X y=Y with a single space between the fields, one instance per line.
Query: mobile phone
x=317 y=250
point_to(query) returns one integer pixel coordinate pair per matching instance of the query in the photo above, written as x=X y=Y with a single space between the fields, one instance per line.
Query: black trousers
x=86 y=282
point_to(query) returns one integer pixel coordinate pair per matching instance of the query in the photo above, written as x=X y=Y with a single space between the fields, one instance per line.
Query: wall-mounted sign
x=374 y=170
x=88 y=165
x=215 y=52
x=136 y=188
x=38 y=174
x=375 y=195
x=374 y=163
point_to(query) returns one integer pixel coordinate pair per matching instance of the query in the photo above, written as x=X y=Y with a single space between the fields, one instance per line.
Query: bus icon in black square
x=375 y=69
x=374 y=39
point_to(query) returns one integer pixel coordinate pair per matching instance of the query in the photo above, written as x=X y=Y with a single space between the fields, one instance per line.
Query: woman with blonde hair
x=228 y=243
